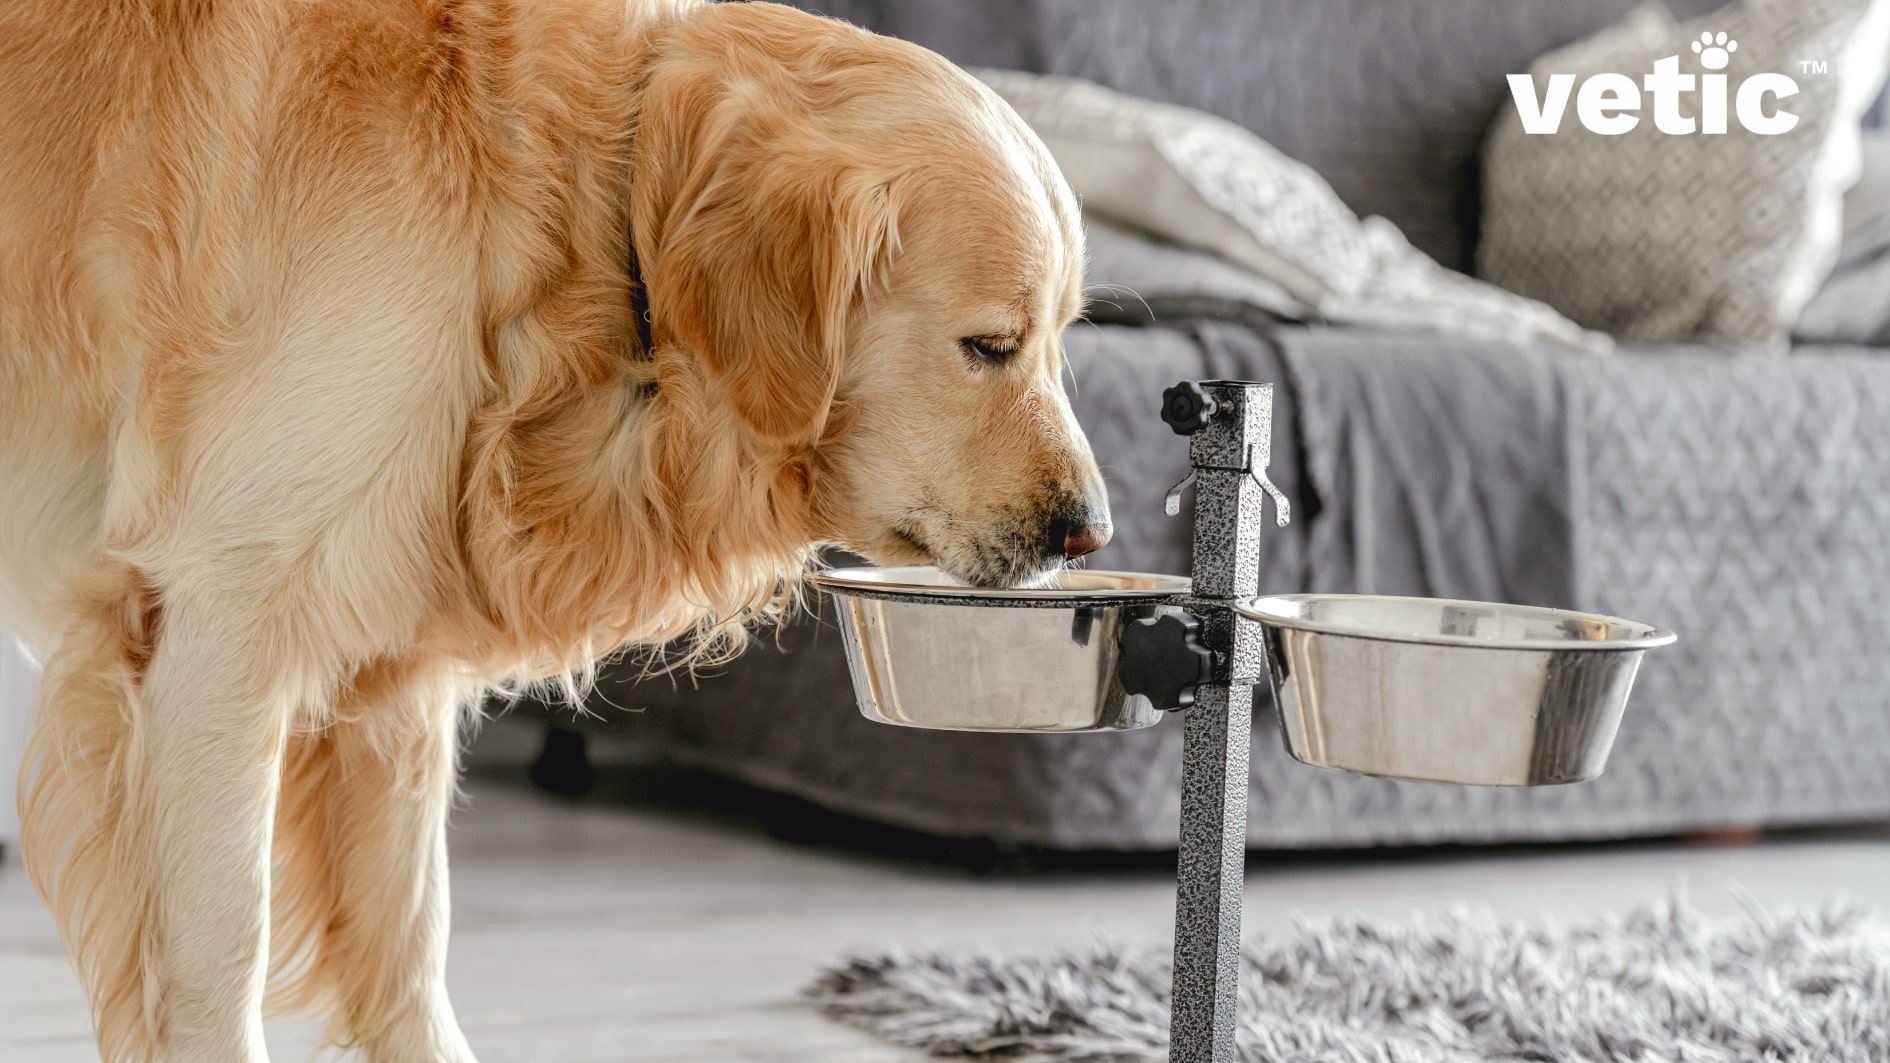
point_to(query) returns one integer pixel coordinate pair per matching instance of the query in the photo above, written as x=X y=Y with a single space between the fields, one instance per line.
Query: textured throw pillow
x=1204 y=182
x=1655 y=234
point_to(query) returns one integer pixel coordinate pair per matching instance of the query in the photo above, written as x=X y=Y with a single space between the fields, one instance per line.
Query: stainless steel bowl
x=926 y=652
x=1448 y=691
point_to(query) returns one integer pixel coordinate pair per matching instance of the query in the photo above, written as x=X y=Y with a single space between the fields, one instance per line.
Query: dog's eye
x=988 y=350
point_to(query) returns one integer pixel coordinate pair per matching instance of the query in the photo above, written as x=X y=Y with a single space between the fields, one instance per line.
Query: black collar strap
x=640 y=304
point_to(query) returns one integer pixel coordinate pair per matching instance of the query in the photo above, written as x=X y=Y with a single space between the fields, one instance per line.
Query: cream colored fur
x=323 y=410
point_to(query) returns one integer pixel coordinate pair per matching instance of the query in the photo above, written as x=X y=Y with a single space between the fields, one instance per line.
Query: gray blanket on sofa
x=1421 y=464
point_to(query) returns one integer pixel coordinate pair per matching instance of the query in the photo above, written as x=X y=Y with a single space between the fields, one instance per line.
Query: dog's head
x=874 y=260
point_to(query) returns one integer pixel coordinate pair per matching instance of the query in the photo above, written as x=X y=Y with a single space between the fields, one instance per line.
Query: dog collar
x=640 y=303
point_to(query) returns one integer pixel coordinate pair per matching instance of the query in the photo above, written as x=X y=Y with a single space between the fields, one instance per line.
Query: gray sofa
x=1742 y=499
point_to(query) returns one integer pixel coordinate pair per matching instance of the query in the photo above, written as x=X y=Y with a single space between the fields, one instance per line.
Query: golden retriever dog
x=359 y=355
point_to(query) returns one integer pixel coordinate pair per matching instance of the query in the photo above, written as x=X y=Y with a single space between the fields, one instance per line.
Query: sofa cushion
x=1659 y=222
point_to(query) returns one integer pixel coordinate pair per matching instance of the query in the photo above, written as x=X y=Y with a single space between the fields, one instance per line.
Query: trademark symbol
x=1814 y=66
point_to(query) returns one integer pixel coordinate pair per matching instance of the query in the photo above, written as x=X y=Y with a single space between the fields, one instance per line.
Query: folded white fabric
x=1853 y=306
x=1207 y=183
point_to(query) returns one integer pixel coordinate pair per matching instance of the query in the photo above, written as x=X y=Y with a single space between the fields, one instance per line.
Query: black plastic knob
x=1164 y=661
x=1187 y=408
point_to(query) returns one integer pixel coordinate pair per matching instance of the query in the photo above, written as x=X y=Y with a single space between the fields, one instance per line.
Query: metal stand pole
x=1230 y=425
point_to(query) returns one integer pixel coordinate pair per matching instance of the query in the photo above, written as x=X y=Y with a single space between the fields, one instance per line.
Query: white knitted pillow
x=1655 y=235
x=1204 y=182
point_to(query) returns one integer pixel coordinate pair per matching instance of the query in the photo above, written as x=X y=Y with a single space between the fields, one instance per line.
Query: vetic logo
x=1610 y=104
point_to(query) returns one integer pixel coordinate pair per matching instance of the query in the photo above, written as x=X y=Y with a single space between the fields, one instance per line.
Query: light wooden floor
x=621 y=930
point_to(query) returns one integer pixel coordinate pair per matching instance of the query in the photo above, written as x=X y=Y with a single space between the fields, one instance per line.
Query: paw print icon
x=1715 y=50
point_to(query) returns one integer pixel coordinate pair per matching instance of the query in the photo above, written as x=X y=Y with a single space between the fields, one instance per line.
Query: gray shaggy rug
x=1663 y=984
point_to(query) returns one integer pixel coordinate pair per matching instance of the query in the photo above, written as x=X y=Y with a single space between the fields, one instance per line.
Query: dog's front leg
x=150 y=784
x=364 y=811
x=215 y=708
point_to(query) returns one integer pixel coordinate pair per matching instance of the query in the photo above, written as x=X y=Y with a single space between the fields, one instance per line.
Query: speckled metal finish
x=1209 y=874
x=1229 y=458
x=1225 y=456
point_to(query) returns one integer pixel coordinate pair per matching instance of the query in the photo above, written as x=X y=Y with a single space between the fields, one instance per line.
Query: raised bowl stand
x=1200 y=652
x=1229 y=424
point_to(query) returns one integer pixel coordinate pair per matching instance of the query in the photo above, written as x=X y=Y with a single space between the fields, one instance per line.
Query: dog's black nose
x=1086 y=539
x=1078 y=538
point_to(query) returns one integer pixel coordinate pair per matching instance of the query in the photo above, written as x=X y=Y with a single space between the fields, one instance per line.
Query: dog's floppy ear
x=755 y=245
